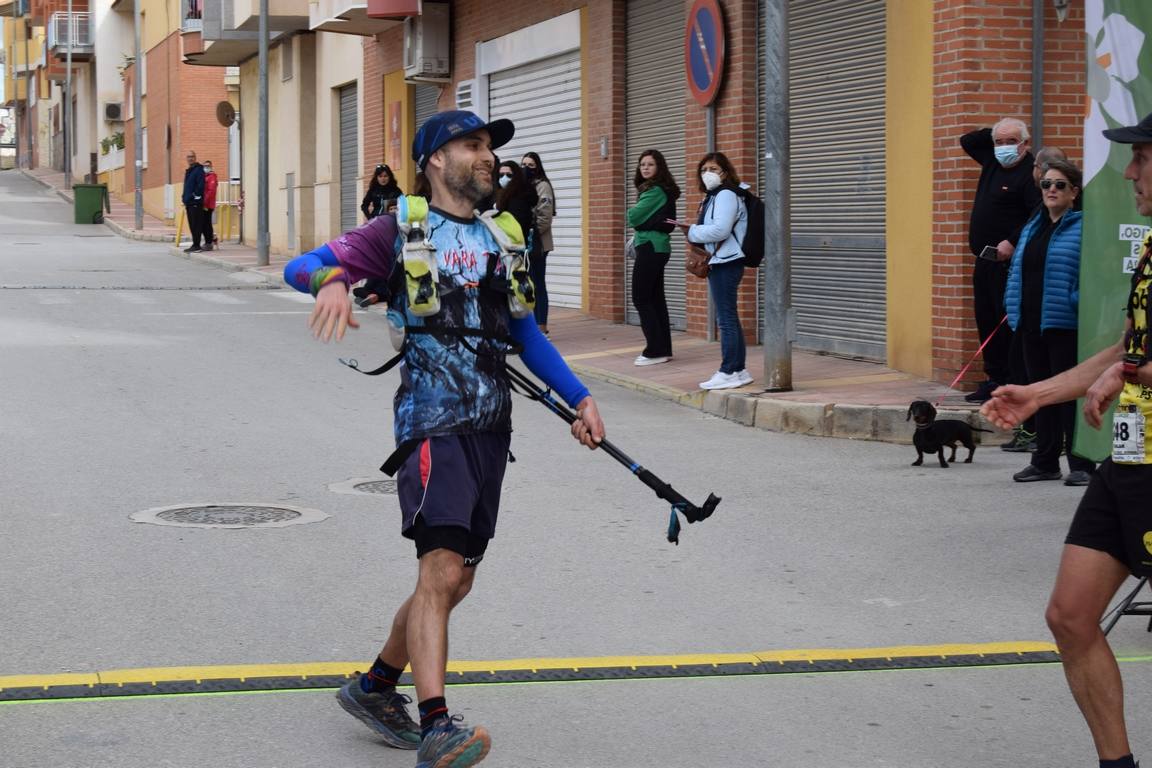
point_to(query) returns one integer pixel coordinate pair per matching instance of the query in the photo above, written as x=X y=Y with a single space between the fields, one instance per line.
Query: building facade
x=879 y=92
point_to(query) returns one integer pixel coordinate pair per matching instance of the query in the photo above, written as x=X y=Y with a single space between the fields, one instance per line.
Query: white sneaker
x=721 y=380
x=745 y=377
x=641 y=360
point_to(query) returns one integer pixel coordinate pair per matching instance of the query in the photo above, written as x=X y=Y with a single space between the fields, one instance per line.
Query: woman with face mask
x=545 y=211
x=654 y=207
x=720 y=227
x=516 y=196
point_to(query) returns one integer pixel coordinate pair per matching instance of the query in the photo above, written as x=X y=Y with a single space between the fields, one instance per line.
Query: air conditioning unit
x=427 y=49
x=114 y=111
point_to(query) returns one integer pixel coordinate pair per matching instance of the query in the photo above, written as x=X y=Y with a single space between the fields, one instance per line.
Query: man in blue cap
x=1111 y=533
x=452 y=418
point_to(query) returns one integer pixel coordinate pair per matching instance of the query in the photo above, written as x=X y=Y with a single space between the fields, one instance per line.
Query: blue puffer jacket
x=1061 y=274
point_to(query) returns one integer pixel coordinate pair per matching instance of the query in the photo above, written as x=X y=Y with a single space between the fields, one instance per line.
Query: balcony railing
x=193 y=15
x=73 y=32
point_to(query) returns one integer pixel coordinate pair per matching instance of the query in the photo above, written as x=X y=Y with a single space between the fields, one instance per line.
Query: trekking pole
x=691 y=512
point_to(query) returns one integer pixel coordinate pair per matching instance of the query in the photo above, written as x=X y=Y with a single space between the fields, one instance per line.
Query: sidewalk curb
x=271 y=279
x=132 y=234
x=882 y=423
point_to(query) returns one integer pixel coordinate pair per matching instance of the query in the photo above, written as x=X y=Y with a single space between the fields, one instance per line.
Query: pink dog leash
x=964 y=370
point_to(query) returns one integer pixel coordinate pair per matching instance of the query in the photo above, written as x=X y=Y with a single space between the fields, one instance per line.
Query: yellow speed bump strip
x=277 y=677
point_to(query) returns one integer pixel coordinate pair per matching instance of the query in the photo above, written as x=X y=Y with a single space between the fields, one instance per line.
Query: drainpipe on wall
x=1037 y=73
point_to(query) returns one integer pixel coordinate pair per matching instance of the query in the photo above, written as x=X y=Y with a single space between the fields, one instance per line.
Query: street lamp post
x=262 y=143
x=138 y=127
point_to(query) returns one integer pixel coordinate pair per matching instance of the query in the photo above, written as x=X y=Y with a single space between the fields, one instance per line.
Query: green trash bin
x=88 y=202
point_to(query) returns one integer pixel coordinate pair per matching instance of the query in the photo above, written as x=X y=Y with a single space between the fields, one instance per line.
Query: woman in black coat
x=382 y=193
x=516 y=196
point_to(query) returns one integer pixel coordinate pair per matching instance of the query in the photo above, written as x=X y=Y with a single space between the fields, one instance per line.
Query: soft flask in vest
x=421 y=272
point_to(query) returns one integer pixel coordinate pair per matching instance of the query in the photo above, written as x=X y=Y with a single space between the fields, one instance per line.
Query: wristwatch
x=1130 y=367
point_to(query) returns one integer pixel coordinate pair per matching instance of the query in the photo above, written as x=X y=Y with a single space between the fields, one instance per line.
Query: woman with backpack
x=654 y=208
x=720 y=227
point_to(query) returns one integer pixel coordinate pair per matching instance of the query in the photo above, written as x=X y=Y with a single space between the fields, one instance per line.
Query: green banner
x=1119 y=38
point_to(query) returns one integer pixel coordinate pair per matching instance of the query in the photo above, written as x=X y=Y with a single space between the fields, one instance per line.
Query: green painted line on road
x=285 y=677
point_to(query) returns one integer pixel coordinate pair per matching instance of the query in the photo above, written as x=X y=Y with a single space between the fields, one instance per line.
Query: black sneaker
x=983 y=392
x=1078 y=477
x=385 y=713
x=1031 y=474
x=1022 y=441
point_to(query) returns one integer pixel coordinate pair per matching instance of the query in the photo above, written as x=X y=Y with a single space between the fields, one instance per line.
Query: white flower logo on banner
x=1112 y=65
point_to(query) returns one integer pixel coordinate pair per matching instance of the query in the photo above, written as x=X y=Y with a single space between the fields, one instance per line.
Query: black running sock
x=379 y=678
x=431 y=710
x=1125 y=762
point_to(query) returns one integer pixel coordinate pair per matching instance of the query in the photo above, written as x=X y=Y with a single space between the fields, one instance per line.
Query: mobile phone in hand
x=989 y=253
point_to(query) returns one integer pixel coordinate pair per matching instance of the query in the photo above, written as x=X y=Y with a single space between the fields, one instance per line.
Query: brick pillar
x=982 y=57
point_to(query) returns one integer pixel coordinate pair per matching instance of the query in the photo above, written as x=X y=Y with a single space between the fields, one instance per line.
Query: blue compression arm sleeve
x=298 y=272
x=544 y=361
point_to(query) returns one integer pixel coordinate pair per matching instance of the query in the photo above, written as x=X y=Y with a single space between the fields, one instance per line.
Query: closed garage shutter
x=427 y=97
x=836 y=104
x=348 y=159
x=543 y=100
x=655 y=120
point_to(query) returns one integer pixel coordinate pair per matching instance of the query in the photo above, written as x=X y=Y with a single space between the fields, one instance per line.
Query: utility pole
x=70 y=25
x=262 y=144
x=138 y=121
x=27 y=85
x=11 y=61
x=779 y=319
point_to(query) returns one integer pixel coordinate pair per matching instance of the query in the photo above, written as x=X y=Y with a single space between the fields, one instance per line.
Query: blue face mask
x=1007 y=154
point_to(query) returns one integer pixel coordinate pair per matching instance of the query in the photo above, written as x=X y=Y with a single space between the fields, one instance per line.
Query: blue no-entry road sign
x=704 y=51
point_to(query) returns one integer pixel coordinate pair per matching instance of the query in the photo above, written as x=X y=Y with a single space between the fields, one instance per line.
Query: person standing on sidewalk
x=1107 y=538
x=545 y=211
x=1042 y=302
x=720 y=227
x=656 y=205
x=452 y=418
x=1006 y=196
x=210 y=184
x=193 y=199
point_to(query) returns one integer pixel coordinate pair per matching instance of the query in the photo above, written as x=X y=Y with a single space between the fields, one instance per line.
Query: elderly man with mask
x=1006 y=196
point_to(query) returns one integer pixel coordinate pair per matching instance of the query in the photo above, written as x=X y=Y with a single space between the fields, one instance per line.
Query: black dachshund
x=932 y=436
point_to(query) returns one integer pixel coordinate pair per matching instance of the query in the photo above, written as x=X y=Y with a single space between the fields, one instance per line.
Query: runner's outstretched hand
x=588 y=428
x=333 y=312
x=1010 y=405
x=1102 y=394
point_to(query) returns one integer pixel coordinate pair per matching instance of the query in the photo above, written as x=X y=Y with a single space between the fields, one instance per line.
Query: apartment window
x=286 y=60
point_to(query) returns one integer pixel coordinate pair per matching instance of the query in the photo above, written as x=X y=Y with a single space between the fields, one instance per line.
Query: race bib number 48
x=1128 y=435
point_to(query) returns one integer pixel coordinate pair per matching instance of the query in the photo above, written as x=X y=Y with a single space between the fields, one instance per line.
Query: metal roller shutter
x=349 y=202
x=836 y=104
x=655 y=120
x=427 y=97
x=543 y=100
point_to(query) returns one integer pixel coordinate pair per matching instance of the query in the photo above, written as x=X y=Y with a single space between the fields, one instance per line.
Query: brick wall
x=735 y=136
x=182 y=99
x=982 y=72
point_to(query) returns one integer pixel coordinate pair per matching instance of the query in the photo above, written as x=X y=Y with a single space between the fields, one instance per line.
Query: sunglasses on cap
x=1060 y=184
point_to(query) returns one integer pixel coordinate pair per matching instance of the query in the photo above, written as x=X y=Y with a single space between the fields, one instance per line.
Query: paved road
x=132 y=380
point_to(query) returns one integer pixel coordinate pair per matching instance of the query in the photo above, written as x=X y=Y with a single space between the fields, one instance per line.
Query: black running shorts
x=449 y=490
x=1115 y=515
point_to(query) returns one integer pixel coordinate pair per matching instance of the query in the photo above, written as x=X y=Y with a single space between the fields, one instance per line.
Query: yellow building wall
x=908 y=231
x=398 y=138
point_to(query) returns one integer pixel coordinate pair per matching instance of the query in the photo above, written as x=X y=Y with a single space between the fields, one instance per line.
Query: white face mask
x=505 y=181
x=711 y=180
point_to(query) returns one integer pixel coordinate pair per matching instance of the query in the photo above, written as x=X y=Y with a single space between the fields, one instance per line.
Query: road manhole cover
x=376 y=486
x=228 y=516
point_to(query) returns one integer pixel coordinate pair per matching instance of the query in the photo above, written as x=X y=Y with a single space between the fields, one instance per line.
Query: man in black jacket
x=1006 y=196
x=193 y=199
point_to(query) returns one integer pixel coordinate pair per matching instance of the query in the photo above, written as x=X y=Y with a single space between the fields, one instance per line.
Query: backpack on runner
x=753 y=243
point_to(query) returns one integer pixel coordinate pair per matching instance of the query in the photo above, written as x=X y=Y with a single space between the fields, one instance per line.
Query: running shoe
x=745 y=377
x=451 y=744
x=385 y=713
x=721 y=380
x=1022 y=441
x=642 y=360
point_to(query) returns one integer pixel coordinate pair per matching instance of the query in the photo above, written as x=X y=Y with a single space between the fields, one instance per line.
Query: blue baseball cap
x=443 y=127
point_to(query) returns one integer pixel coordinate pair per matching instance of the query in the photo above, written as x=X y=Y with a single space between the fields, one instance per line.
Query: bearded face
x=467 y=169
